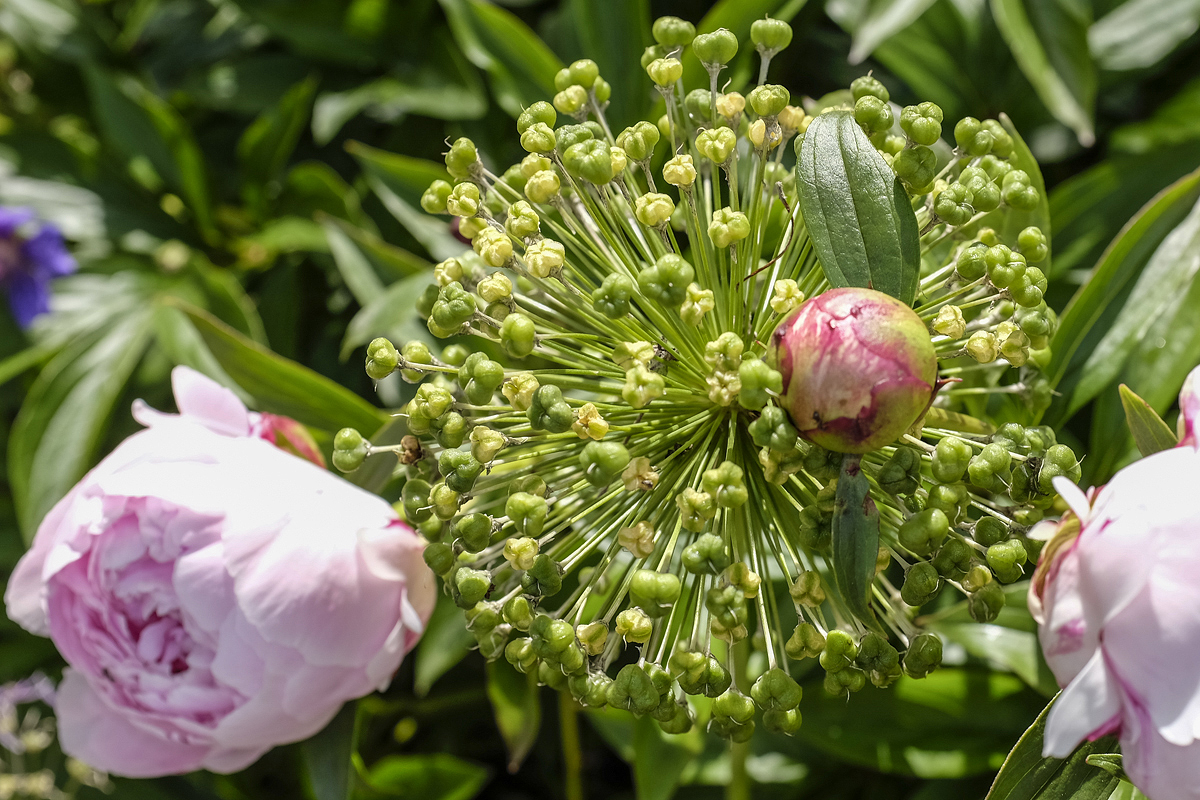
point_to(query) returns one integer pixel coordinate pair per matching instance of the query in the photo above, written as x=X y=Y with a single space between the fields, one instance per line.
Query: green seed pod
x=1005 y=559
x=1059 y=461
x=869 y=86
x=923 y=656
x=1002 y=143
x=471 y=586
x=768 y=100
x=665 y=71
x=673 y=32
x=953 y=204
x=632 y=690
x=805 y=642
x=590 y=160
x=989 y=531
x=971 y=263
x=350 y=449
x=541 y=111
x=543 y=579
x=451 y=429
x=653 y=210
x=479 y=377
x=440 y=558
x=638 y=141
x=527 y=512
x=775 y=690
x=518 y=612
x=462 y=159
x=726 y=485
x=518 y=335
x=715 y=49
x=770 y=35
x=696 y=509
x=634 y=625
x=602 y=462
x=549 y=411
x=1033 y=244
x=921 y=584
x=915 y=166
x=642 y=386
x=666 y=281
x=612 y=297
x=922 y=123
x=590 y=689
x=985 y=604
x=706 y=556
x=840 y=651
x=953 y=559
x=972 y=138
x=654 y=592
x=873 y=114
x=950 y=459
x=716 y=144
x=879 y=660
x=924 y=531
x=728 y=227
x=773 y=429
x=460 y=469
x=433 y=201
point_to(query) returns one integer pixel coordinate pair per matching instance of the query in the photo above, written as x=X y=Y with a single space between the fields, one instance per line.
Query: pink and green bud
x=858 y=369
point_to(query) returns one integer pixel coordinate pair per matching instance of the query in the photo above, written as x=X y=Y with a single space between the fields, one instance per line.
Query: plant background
x=239 y=179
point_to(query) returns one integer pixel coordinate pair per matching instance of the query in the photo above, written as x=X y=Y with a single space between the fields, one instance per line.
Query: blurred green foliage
x=240 y=179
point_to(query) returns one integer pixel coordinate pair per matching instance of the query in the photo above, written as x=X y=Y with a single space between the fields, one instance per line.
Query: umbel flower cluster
x=632 y=458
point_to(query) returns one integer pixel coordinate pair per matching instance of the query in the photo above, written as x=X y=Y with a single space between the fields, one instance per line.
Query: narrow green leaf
x=1141 y=282
x=613 y=34
x=855 y=537
x=1049 y=42
x=23 y=361
x=356 y=271
x=391 y=261
x=1150 y=433
x=659 y=759
x=282 y=386
x=438 y=776
x=860 y=219
x=520 y=64
x=1112 y=763
x=269 y=141
x=884 y=19
x=327 y=756
x=1139 y=33
x=517 y=708
x=446 y=642
x=391 y=314
x=1026 y=775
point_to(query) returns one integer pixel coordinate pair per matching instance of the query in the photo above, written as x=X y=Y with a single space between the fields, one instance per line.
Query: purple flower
x=29 y=260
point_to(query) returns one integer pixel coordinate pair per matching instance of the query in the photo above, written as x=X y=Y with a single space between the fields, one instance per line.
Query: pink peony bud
x=858 y=369
x=214 y=595
x=1117 y=602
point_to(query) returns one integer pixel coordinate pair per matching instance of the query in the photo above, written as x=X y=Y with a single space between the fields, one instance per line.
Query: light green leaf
x=23 y=361
x=393 y=262
x=857 y=212
x=356 y=271
x=392 y=314
x=446 y=642
x=1139 y=33
x=883 y=20
x=517 y=708
x=520 y=64
x=1049 y=42
x=1003 y=648
x=1141 y=284
x=953 y=723
x=64 y=416
x=439 y=776
x=282 y=386
x=1150 y=433
x=855 y=538
x=328 y=756
x=1026 y=775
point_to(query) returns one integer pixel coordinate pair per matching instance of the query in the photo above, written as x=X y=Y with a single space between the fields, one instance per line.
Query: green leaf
x=1150 y=433
x=64 y=416
x=953 y=723
x=392 y=314
x=328 y=756
x=613 y=34
x=1112 y=763
x=356 y=271
x=1026 y=775
x=1049 y=42
x=446 y=642
x=521 y=66
x=1175 y=122
x=392 y=261
x=857 y=212
x=439 y=776
x=1140 y=285
x=24 y=360
x=282 y=386
x=517 y=708
x=446 y=87
x=659 y=759
x=265 y=147
x=1139 y=33
x=855 y=537
x=884 y=19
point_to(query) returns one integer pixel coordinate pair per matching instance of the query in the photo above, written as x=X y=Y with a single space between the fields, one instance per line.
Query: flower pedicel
x=624 y=475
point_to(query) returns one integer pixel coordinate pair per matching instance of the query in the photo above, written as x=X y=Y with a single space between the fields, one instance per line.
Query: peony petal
x=90 y=730
x=207 y=402
x=1074 y=497
x=204 y=588
x=1087 y=704
x=1158 y=768
x=1189 y=410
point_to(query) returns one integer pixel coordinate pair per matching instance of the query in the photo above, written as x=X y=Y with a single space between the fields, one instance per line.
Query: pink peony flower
x=1117 y=598
x=214 y=595
x=858 y=369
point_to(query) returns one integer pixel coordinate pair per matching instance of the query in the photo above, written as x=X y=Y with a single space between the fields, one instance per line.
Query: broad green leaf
x=521 y=66
x=61 y=423
x=857 y=212
x=327 y=756
x=23 y=361
x=446 y=642
x=883 y=19
x=1026 y=775
x=437 y=776
x=446 y=87
x=1139 y=33
x=517 y=708
x=737 y=16
x=613 y=34
x=356 y=271
x=1127 y=791
x=659 y=759
x=282 y=386
x=855 y=537
x=391 y=261
x=392 y=314
x=1141 y=283
x=1150 y=433
x=265 y=147
x=176 y=334
x=953 y=723
x=1049 y=42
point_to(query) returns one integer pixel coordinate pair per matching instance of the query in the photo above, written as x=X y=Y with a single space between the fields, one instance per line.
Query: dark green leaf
x=268 y=143
x=282 y=386
x=1150 y=433
x=63 y=418
x=1026 y=775
x=1049 y=42
x=446 y=642
x=857 y=212
x=327 y=756
x=1139 y=33
x=884 y=19
x=659 y=759
x=953 y=723
x=517 y=708
x=23 y=361
x=1136 y=296
x=520 y=64
x=855 y=537
x=393 y=314
x=613 y=34
x=376 y=472
x=439 y=776
x=391 y=261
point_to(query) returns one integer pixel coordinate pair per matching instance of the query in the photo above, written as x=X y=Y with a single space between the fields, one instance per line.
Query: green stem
x=739 y=787
x=568 y=715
